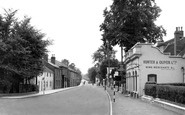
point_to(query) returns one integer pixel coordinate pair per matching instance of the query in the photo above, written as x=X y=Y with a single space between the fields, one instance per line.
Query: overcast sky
x=74 y=24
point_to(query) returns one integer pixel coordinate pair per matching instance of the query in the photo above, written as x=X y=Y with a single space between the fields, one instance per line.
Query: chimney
x=53 y=58
x=179 y=34
x=46 y=57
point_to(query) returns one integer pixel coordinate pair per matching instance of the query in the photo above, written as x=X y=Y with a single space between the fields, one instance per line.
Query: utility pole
x=121 y=69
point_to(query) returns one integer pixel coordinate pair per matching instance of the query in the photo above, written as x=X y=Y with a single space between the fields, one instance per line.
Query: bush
x=174 y=84
x=28 y=88
x=5 y=86
x=175 y=92
x=172 y=93
x=150 y=89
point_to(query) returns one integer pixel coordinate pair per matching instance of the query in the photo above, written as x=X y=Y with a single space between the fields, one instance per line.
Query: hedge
x=174 y=84
x=169 y=92
x=150 y=89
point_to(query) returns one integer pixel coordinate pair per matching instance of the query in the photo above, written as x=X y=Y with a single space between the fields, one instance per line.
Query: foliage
x=105 y=64
x=172 y=93
x=5 y=86
x=174 y=84
x=150 y=89
x=167 y=92
x=66 y=62
x=28 y=88
x=131 y=21
x=22 y=48
x=92 y=72
x=102 y=54
x=72 y=66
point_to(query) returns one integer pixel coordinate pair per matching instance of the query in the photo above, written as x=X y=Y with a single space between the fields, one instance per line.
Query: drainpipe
x=182 y=68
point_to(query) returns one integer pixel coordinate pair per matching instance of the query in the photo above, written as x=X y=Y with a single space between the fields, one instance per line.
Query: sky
x=73 y=25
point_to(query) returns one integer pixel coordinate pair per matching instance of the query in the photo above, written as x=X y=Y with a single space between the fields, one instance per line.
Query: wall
x=167 y=69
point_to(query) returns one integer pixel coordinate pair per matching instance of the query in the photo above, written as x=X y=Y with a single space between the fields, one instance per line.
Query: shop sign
x=160 y=64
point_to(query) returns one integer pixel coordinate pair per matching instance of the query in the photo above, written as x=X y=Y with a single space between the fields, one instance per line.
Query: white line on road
x=110 y=102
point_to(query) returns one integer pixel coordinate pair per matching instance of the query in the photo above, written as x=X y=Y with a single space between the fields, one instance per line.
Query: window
x=152 y=77
x=46 y=83
x=50 y=84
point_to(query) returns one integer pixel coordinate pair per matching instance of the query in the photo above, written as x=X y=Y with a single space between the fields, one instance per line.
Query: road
x=84 y=100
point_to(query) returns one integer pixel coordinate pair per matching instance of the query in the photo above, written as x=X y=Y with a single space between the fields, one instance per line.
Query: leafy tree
x=131 y=21
x=79 y=74
x=102 y=53
x=92 y=74
x=21 y=47
x=66 y=62
x=72 y=66
x=105 y=64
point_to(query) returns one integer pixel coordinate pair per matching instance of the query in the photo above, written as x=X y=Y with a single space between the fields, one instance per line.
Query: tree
x=22 y=48
x=79 y=75
x=92 y=74
x=66 y=62
x=131 y=21
x=72 y=66
x=105 y=64
x=102 y=54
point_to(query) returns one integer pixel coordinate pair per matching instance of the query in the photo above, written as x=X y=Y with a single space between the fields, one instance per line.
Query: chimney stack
x=179 y=34
x=53 y=58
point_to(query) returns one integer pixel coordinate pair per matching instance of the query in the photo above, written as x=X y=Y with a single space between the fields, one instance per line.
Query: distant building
x=56 y=75
x=45 y=80
x=162 y=63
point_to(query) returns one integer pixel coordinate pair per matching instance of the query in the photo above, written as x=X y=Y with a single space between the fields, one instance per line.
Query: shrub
x=28 y=88
x=5 y=86
x=174 y=84
x=150 y=89
x=171 y=93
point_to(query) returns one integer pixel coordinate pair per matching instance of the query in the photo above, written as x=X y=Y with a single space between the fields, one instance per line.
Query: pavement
x=41 y=93
x=125 y=105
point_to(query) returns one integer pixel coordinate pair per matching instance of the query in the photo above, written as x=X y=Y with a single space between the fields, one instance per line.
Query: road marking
x=110 y=102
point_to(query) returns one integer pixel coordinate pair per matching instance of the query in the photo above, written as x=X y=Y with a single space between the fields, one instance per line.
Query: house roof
x=46 y=69
x=165 y=43
x=169 y=46
x=60 y=64
x=180 y=48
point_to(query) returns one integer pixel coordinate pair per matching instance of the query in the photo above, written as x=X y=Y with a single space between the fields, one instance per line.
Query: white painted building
x=146 y=62
x=45 y=81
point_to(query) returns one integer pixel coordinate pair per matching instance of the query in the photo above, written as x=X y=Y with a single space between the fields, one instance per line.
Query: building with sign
x=162 y=63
